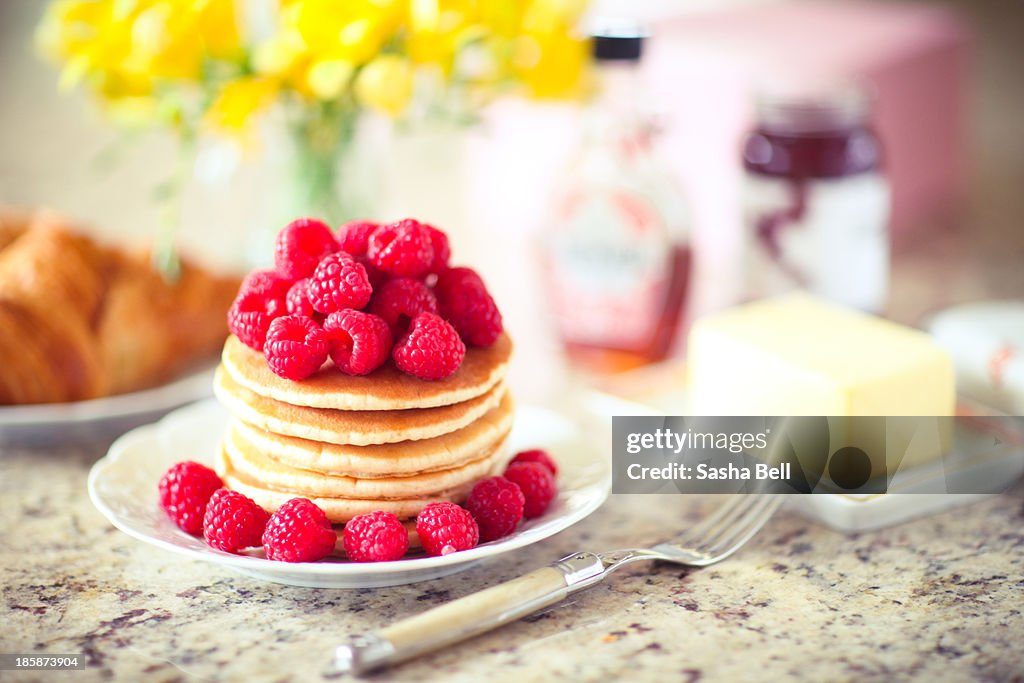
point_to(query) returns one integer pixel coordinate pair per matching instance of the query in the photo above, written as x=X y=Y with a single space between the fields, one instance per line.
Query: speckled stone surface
x=936 y=599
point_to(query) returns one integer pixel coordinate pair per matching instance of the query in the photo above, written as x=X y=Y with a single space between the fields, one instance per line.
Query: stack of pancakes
x=387 y=441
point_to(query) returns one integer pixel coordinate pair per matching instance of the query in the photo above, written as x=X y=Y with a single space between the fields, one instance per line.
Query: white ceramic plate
x=123 y=486
x=28 y=421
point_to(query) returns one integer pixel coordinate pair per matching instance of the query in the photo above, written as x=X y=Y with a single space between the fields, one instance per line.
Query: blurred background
x=931 y=139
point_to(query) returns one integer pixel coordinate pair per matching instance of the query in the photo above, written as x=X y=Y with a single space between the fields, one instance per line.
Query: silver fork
x=711 y=540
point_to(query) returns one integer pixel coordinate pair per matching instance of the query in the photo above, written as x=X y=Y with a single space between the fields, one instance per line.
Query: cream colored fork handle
x=455 y=621
x=474 y=614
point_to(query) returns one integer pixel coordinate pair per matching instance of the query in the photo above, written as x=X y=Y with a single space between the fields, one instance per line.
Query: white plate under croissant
x=36 y=418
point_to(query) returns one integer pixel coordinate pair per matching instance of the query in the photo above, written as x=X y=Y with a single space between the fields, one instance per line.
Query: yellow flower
x=67 y=27
x=283 y=57
x=502 y=18
x=547 y=56
x=385 y=84
x=280 y=54
x=550 y=65
x=218 y=26
x=133 y=112
x=238 y=102
x=353 y=30
x=124 y=48
x=328 y=78
x=320 y=43
x=172 y=38
x=436 y=28
x=138 y=56
x=552 y=16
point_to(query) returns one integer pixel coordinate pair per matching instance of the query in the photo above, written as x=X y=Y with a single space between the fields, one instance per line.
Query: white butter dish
x=986 y=342
x=987 y=457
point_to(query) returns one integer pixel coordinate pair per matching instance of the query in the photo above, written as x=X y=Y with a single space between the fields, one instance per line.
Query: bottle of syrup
x=616 y=249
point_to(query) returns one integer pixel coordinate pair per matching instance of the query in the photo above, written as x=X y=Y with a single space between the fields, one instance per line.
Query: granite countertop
x=938 y=598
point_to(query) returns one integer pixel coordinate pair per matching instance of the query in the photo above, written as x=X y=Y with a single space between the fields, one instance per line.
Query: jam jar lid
x=812 y=107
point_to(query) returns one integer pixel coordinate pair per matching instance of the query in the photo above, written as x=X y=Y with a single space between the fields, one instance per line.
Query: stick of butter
x=798 y=355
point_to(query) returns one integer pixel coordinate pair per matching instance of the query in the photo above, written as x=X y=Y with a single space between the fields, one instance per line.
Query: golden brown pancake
x=385 y=389
x=258 y=468
x=357 y=428
x=382 y=460
x=338 y=510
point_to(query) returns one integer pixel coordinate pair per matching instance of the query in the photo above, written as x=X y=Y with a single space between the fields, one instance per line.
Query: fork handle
x=467 y=617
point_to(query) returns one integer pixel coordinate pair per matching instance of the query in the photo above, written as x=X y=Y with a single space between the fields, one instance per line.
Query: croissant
x=13 y=222
x=80 y=320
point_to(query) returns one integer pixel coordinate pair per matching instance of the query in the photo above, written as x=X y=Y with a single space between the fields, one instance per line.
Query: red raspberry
x=233 y=521
x=339 y=282
x=402 y=249
x=465 y=303
x=446 y=528
x=376 y=276
x=430 y=350
x=301 y=245
x=297 y=300
x=271 y=285
x=537 y=484
x=250 y=316
x=400 y=300
x=353 y=236
x=358 y=342
x=184 y=491
x=298 y=532
x=536 y=455
x=375 y=537
x=261 y=298
x=442 y=251
x=296 y=347
x=497 y=506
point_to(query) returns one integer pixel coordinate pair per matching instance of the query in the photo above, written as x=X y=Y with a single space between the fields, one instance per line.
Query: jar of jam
x=815 y=201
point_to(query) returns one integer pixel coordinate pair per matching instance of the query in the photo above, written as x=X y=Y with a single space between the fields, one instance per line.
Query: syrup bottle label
x=608 y=268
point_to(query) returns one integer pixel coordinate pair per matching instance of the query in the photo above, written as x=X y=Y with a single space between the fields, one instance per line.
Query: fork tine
x=702 y=529
x=745 y=530
x=719 y=522
x=742 y=530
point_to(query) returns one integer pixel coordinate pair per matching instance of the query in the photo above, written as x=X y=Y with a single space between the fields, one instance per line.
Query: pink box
x=704 y=70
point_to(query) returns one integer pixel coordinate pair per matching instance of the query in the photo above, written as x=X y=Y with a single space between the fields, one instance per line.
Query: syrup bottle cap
x=619 y=43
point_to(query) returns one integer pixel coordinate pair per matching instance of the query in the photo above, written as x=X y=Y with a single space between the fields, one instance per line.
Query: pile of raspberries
x=360 y=296
x=194 y=497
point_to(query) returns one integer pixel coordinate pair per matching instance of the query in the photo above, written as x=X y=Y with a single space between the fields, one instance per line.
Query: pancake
x=357 y=428
x=385 y=389
x=338 y=510
x=382 y=460
x=260 y=469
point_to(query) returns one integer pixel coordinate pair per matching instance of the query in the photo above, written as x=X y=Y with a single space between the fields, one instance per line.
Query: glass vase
x=315 y=169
